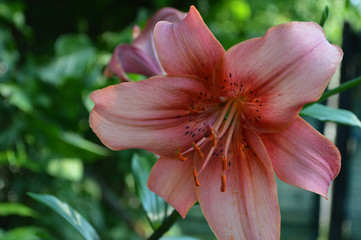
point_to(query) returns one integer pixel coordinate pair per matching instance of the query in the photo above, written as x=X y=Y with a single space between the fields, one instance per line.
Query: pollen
x=195 y=176
x=179 y=154
x=223 y=185
x=198 y=150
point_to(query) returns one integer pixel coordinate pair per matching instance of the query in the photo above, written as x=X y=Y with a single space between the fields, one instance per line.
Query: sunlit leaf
x=324 y=113
x=69 y=214
x=154 y=206
x=7 y=208
x=23 y=233
x=67 y=168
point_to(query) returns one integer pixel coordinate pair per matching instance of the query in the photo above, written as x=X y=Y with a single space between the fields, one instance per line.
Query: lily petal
x=278 y=73
x=140 y=57
x=166 y=113
x=173 y=181
x=248 y=209
x=303 y=157
x=129 y=59
x=187 y=47
x=145 y=41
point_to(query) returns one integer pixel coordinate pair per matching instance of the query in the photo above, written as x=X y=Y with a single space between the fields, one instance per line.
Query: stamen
x=179 y=154
x=212 y=136
x=224 y=162
x=223 y=185
x=231 y=115
x=220 y=119
x=198 y=150
x=195 y=176
x=207 y=159
x=230 y=133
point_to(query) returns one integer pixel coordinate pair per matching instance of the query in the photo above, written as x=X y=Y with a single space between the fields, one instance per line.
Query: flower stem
x=166 y=225
x=343 y=87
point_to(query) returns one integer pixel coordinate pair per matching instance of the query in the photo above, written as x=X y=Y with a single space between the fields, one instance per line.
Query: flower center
x=221 y=131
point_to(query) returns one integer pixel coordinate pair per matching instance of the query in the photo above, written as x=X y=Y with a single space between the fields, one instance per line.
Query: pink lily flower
x=224 y=121
x=140 y=57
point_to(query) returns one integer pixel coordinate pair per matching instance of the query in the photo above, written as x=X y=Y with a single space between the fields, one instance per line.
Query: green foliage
x=69 y=214
x=7 y=209
x=155 y=207
x=324 y=16
x=52 y=54
x=24 y=233
x=324 y=113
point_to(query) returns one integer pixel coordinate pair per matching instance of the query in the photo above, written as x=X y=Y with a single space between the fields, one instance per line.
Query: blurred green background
x=52 y=54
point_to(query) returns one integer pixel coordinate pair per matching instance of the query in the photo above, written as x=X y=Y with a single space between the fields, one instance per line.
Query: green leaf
x=7 y=209
x=324 y=113
x=23 y=233
x=74 y=53
x=69 y=214
x=78 y=141
x=67 y=168
x=324 y=17
x=155 y=207
x=16 y=96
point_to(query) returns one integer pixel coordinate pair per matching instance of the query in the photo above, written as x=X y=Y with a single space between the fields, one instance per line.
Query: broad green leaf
x=155 y=207
x=324 y=113
x=67 y=168
x=7 y=208
x=69 y=214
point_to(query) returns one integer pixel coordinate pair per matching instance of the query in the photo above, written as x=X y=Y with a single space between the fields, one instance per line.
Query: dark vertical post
x=340 y=187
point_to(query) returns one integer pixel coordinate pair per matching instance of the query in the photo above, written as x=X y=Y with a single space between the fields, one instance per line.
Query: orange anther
x=212 y=136
x=224 y=162
x=195 y=176
x=198 y=150
x=223 y=179
x=179 y=154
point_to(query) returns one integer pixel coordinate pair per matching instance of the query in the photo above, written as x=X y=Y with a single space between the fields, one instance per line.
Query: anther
x=198 y=150
x=224 y=162
x=195 y=176
x=212 y=136
x=179 y=154
x=223 y=185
